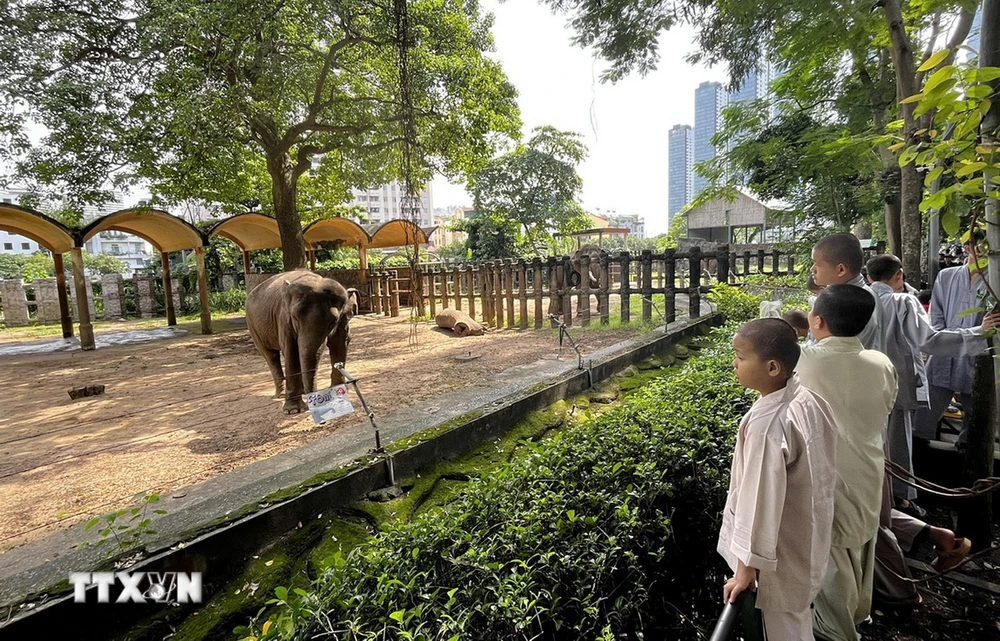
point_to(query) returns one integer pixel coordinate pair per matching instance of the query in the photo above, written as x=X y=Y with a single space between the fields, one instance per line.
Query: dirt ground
x=183 y=410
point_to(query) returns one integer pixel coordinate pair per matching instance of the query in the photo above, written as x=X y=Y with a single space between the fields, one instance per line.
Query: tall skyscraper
x=679 y=167
x=709 y=99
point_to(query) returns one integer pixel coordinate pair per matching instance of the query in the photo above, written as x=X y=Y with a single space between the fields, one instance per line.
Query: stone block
x=47 y=300
x=90 y=298
x=15 y=305
x=177 y=288
x=145 y=292
x=113 y=287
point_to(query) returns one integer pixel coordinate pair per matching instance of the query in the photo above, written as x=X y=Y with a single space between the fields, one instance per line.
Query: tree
x=532 y=191
x=231 y=101
x=828 y=50
x=11 y=265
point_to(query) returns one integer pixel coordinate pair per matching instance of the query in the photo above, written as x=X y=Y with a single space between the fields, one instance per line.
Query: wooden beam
x=83 y=308
x=206 y=312
x=246 y=262
x=168 y=290
x=64 y=314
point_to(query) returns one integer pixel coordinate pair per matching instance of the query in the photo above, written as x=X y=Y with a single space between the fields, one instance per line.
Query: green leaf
x=934 y=201
x=907 y=156
x=938 y=77
x=934 y=60
x=970 y=312
x=982 y=74
x=933 y=175
x=281 y=592
x=397 y=615
x=950 y=222
x=979 y=91
x=917 y=97
x=897 y=146
x=969 y=168
x=985 y=105
x=91 y=523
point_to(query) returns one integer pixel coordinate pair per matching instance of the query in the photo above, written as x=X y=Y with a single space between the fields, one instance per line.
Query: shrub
x=231 y=300
x=734 y=303
x=606 y=530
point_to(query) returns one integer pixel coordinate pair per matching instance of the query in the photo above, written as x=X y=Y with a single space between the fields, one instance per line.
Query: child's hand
x=745 y=578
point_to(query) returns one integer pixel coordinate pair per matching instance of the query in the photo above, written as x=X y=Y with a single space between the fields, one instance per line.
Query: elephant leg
x=337 y=343
x=293 y=380
x=273 y=358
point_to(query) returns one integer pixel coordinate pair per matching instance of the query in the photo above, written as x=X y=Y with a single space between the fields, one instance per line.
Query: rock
x=89 y=390
x=649 y=363
x=385 y=494
x=682 y=352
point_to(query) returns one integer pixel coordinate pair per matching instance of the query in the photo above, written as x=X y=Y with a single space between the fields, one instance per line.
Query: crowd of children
x=813 y=525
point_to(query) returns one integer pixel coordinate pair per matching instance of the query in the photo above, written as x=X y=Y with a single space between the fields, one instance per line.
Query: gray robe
x=954 y=294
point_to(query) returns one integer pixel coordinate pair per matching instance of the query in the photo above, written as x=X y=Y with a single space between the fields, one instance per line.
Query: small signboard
x=326 y=405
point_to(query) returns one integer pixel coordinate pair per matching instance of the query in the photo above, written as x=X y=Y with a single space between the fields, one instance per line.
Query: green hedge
x=607 y=530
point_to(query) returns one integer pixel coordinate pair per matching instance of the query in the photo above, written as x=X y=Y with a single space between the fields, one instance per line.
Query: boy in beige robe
x=776 y=525
x=860 y=385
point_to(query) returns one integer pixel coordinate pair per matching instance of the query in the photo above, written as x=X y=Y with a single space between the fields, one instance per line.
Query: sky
x=624 y=125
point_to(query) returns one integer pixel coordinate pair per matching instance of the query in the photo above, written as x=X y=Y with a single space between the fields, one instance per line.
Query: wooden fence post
x=508 y=276
x=432 y=291
x=694 y=294
x=555 y=267
x=485 y=296
x=647 y=285
x=470 y=281
x=760 y=261
x=626 y=288
x=456 y=277
x=584 y=299
x=536 y=289
x=670 y=295
x=498 y=292
x=567 y=297
x=776 y=262
x=746 y=263
x=722 y=263
x=791 y=265
x=522 y=292
x=603 y=296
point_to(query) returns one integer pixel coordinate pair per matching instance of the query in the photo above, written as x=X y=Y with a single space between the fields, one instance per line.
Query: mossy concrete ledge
x=217 y=526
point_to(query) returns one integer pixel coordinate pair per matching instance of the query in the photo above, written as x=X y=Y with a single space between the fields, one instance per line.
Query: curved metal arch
x=329 y=229
x=398 y=232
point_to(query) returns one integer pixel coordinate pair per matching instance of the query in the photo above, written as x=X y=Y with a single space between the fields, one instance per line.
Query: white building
x=132 y=250
x=383 y=203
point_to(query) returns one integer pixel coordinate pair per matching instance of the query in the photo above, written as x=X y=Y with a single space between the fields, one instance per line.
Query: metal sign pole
x=371 y=418
x=563 y=332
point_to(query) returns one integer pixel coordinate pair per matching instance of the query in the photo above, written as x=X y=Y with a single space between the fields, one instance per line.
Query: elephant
x=576 y=276
x=290 y=316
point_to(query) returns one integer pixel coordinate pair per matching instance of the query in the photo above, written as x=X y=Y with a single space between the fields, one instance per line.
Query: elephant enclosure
x=183 y=410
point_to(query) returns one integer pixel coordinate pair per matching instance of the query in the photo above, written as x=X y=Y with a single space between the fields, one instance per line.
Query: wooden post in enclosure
x=443 y=273
x=536 y=278
x=456 y=277
x=206 y=311
x=470 y=280
x=522 y=292
x=431 y=290
x=246 y=265
x=647 y=285
x=584 y=299
x=746 y=263
x=555 y=268
x=377 y=291
x=508 y=277
x=394 y=293
x=722 y=263
x=64 y=316
x=567 y=296
x=791 y=265
x=168 y=294
x=760 y=261
x=386 y=294
x=498 y=292
x=83 y=309
x=775 y=265
x=485 y=296
x=670 y=294
x=694 y=294
x=603 y=291
x=363 y=265
x=626 y=289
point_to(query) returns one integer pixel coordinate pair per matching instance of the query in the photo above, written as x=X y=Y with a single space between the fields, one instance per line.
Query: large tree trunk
x=893 y=208
x=911 y=186
x=284 y=189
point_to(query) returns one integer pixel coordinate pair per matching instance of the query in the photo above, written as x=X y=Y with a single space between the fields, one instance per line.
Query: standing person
x=860 y=386
x=909 y=335
x=776 y=525
x=956 y=291
x=837 y=260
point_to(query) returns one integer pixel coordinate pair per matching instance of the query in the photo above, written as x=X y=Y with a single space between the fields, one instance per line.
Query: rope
x=926 y=579
x=979 y=488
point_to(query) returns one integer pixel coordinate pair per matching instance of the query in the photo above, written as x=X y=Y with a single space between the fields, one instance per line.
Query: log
x=459 y=322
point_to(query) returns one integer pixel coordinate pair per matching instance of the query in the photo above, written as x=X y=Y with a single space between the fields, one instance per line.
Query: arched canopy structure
x=47 y=232
x=250 y=231
x=162 y=230
x=336 y=229
x=396 y=233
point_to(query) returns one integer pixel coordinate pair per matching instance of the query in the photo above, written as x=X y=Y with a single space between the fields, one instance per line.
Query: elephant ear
x=353 y=302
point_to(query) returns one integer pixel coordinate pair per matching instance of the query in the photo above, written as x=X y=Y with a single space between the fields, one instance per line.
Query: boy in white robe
x=860 y=386
x=776 y=525
x=909 y=335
